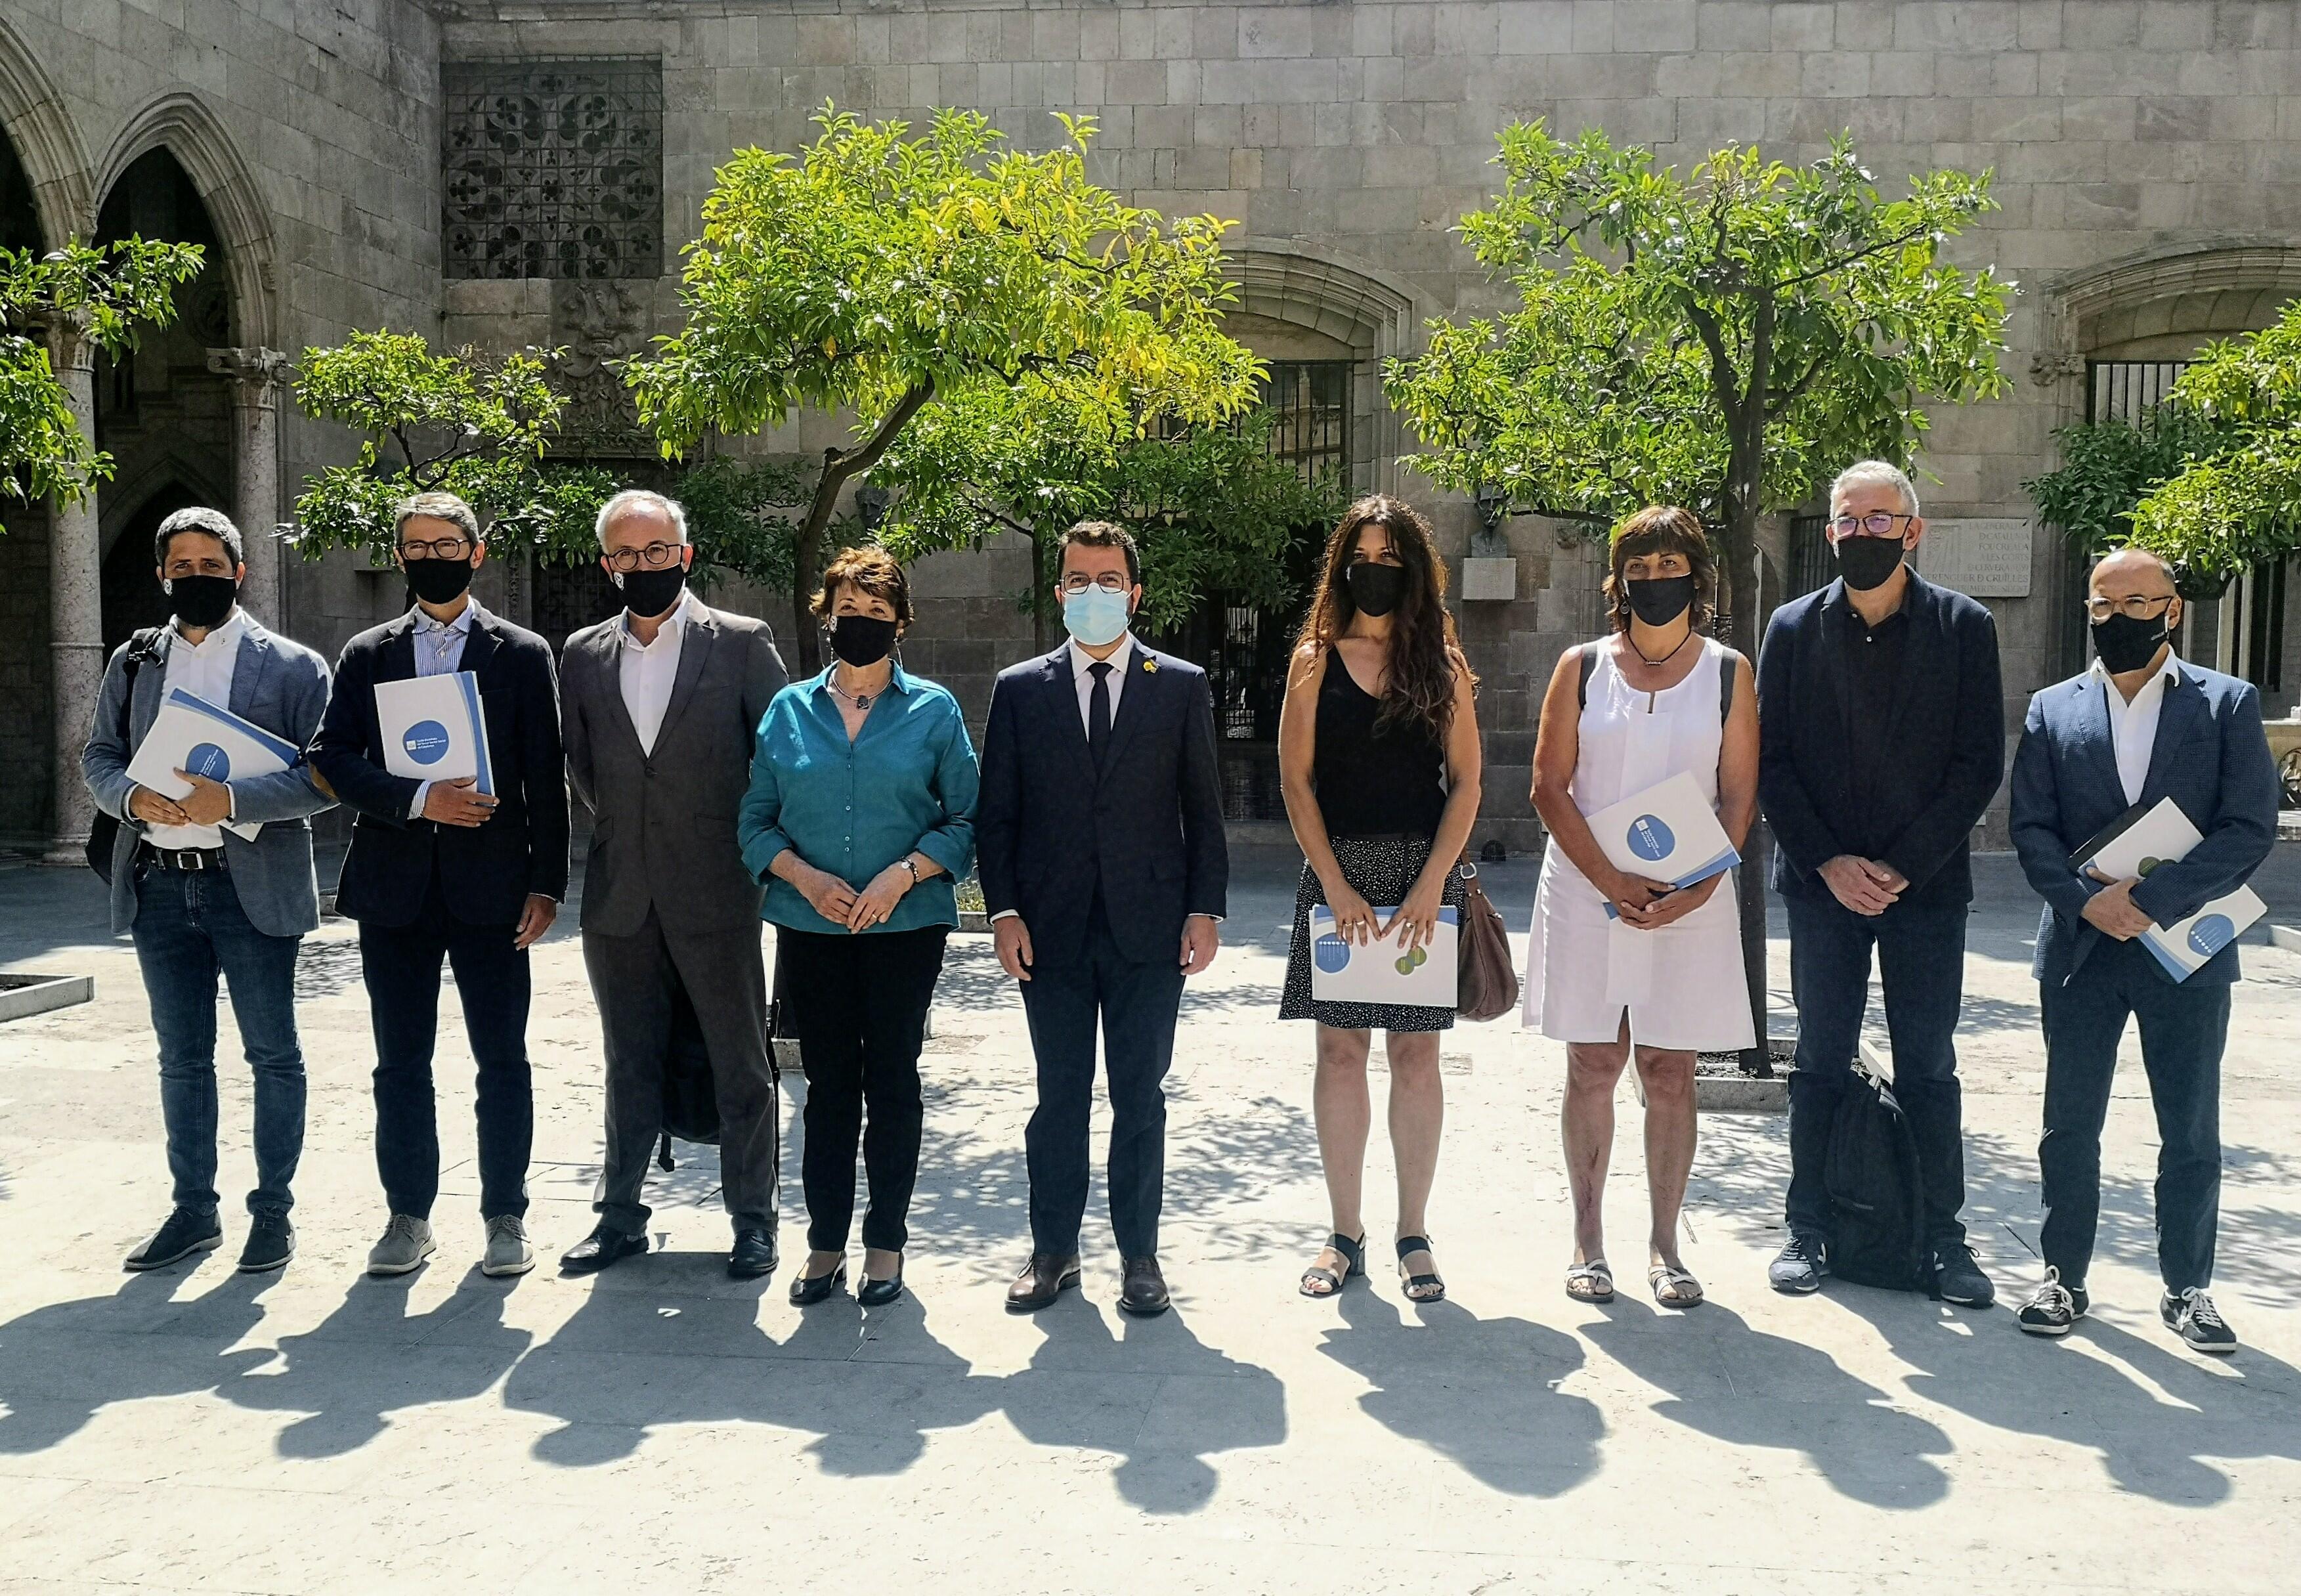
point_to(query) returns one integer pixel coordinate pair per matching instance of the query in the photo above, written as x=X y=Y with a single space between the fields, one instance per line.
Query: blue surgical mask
x=1096 y=616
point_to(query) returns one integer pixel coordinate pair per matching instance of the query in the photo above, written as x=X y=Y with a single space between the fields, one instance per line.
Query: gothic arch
x=123 y=501
x=181 y=123
x=33 y=117
x=2209 y=286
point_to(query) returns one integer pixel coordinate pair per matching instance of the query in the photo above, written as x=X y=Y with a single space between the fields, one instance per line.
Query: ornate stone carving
x=256 y=374
x=2045 y=370
x=599 y=323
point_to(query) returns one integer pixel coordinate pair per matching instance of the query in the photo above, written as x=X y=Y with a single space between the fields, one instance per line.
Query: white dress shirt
x=648 y=670
x=439 y=650
x=204 y=670
x=2133 y=722
x=1082 y=677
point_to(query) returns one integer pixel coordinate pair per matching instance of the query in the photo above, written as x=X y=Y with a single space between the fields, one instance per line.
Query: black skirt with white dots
x=1382 y=869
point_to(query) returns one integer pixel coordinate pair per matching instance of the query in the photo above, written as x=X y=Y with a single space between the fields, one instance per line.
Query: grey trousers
x=634 y=980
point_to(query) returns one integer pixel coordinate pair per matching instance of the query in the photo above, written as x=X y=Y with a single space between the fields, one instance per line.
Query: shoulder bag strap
x=1588 y=655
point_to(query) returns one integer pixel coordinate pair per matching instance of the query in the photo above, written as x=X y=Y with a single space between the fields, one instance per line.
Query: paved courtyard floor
x=661 y=1428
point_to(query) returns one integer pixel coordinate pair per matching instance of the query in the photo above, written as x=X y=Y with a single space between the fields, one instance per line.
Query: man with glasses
x=439 y=870
x=662 y=705
x=1881 y=741
x=2139 y=727
x=1099 y=837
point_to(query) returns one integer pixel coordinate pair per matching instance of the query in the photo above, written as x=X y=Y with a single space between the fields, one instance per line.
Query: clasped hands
x=208 y=804
x=841 y=904
x=1867 y=887
x=2112 y=911
x=1644 y=904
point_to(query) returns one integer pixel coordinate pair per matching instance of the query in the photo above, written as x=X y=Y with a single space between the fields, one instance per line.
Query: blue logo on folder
x=1330 y=952
x=207 y=759
x=1650 y=839
x=2211 y=934
x=426 y=742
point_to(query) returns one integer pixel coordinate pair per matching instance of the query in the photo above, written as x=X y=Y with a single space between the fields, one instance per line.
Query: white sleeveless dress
x=1682 y=985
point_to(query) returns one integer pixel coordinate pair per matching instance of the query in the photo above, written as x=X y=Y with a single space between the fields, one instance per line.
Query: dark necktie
x=1098 y=710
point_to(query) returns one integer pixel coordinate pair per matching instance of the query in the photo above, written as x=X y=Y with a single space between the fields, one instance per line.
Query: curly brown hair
x=1661 y=529
x=868 y=569
x=1425 y=654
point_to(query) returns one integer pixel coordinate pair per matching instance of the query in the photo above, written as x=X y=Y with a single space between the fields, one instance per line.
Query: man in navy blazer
x=1881 y=736
x=1099 y=832
x=441 y=870
x=2141 y=726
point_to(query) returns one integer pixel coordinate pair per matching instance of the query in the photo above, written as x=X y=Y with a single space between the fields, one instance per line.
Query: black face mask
x=203 y=601
x=2126 y=644
x=651 y=592
x=439 y=582
x=1659 y=600
x=1867 y=562
x=862 y=639
x=1375 y=589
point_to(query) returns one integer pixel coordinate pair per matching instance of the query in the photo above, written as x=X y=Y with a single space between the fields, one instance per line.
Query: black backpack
x=690 y=1096
x=1877 y=1229
x=103 y=828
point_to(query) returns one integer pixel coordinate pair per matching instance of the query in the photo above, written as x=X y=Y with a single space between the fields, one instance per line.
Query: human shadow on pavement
x=63 y=1364
x=1749 y=1389
x=2162 y=1418
x=1484 y=1394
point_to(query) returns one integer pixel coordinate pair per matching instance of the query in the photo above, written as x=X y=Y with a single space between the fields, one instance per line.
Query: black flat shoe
x=878 y=1293
x=1143 y=1290
x=807 y=1289
x=604 y=1246
x=753 y=1254
x=271 y=1243
x=184 y=1234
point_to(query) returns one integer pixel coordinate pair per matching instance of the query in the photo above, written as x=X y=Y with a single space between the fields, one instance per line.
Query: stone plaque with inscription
x=1984 y=557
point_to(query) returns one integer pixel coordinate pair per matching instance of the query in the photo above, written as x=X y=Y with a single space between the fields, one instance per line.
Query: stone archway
x=55 y=163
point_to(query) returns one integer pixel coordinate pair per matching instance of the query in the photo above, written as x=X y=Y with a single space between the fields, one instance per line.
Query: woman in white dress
x=1663 y=974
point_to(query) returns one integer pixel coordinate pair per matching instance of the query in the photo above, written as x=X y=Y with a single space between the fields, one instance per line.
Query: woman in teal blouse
x=859 y=819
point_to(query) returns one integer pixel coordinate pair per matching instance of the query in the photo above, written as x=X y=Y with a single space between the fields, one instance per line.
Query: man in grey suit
x=661 y=704
x=199 y=895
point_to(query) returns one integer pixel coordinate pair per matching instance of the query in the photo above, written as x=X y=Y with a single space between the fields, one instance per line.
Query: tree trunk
x=806 y=566
x=1739 y=548
x=1042 y=592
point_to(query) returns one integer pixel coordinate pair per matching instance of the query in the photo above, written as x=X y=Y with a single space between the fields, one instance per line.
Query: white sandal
x=1590 y=1283
x=1686 y=1292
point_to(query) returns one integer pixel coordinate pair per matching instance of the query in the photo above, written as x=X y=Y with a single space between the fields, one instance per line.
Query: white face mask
x=1096 y=616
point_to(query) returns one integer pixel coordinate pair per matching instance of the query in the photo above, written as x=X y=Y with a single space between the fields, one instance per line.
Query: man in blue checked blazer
x=2140 y=726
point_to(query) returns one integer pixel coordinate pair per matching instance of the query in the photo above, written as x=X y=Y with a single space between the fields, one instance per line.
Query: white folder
x=2136 y=845
x=191 y=734
x=1667 y=833
x=434 y=729
x=1343 y=972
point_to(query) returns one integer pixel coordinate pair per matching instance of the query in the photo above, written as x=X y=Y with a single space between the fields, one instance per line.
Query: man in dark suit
x=2140 y=727
x=661 y=704
x=441 y=870
x=1104 y=868
x=1881 y=734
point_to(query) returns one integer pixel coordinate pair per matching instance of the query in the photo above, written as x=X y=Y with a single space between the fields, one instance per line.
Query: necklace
x=1666 y=658
x=861 y=701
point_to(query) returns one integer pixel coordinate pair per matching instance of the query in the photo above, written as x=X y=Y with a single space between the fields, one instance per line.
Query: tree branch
x=1827 y=267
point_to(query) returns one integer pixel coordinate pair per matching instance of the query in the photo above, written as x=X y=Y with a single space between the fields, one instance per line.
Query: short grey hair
x=200 y=519
x=438 y=505
x=639 y=499
x=1865 y=474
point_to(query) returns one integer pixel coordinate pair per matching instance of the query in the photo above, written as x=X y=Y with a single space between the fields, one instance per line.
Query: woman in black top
x=1378 y=757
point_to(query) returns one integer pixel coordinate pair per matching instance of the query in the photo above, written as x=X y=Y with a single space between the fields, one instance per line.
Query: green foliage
x=1725 y=340
x=2237 y=502
x=2107 y=468
x=105 y=293
x=738 y=517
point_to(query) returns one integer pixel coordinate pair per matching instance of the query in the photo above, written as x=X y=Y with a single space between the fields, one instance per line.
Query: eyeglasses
x=2133 y=606
x=655 y=556
x=1109 y=581
x=438 y=548
x=1878 y=523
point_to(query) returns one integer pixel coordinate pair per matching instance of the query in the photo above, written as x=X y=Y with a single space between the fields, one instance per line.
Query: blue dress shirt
x=907 y=783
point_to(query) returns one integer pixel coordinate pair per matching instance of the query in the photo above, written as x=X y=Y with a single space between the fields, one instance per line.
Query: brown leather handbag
x=1486 y=977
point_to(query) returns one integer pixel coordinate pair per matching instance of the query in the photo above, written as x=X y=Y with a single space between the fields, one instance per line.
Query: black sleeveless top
x=1370 y=783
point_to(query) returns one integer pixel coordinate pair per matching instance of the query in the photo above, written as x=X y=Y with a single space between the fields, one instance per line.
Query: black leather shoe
x=1144 y=1291
x=1044 y=1279
x=604 y=1246
x=753 y=1254
x=878 y=1293
x=271 y=1243
x=184 y=1234
x=807 y=1289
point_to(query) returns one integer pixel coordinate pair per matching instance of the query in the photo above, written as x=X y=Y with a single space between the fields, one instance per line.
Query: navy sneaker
x=2053 y=1307
x=2192 y=1316
x=271 y=1243
x=1959 y=1279
x=1798 y=1267
x=184 y=1234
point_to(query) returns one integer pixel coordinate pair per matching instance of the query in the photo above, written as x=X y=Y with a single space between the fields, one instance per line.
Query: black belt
x=184 y=858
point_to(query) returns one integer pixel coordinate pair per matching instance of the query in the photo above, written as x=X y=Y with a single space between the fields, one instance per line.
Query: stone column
x=75 y=606
x=255 y=377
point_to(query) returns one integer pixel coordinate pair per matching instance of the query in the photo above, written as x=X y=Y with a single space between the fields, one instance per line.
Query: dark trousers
x=859 y=1005
x=189 y=927
x=401 y=964
x=636 y=982
x=2183 y=1030
x=1920 y=950
x=1069 y=990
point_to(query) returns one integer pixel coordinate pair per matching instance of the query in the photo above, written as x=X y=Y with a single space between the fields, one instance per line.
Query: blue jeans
x=189 y=926
x=1920 y=949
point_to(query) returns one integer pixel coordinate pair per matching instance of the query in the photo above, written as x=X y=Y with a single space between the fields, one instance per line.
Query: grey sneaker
x=508 y=1252
x=406 y=1243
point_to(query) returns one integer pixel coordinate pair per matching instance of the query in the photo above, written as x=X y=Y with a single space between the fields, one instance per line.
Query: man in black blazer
x=1104 y=867
x=1881 y=725
x=441 y=870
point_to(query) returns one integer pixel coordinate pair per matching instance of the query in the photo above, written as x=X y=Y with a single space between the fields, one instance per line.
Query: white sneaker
x=406 y=1243
x=508 y=1252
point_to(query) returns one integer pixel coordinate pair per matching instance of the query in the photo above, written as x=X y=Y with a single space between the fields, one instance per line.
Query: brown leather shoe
x=1044 y=1279
x=1144 y=1291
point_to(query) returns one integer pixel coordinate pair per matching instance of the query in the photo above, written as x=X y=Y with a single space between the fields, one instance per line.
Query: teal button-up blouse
x=907 y=782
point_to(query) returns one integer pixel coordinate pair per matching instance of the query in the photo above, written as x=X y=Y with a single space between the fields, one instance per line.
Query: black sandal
x=1408 y=1245
x=1353 y=1263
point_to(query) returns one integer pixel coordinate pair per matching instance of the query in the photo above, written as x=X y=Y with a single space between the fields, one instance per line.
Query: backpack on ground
x=1878 y=1228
